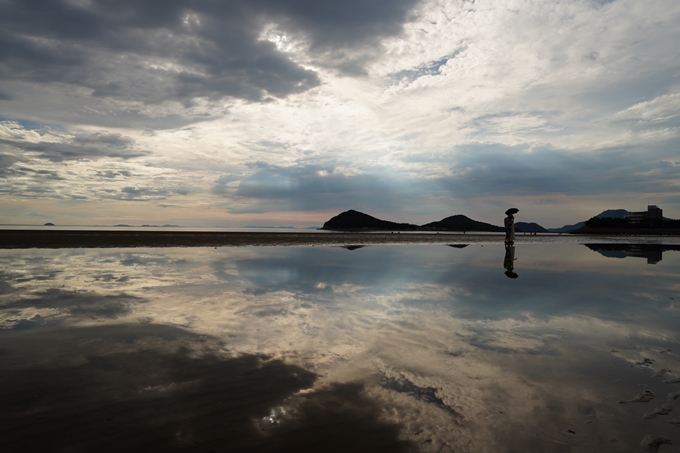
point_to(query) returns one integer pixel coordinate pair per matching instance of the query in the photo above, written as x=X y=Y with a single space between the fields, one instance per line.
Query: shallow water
x=378 y=348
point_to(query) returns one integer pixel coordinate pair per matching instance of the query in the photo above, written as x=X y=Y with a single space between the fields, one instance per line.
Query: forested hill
x=357 y=221
x=460 y=223
x=354 y=220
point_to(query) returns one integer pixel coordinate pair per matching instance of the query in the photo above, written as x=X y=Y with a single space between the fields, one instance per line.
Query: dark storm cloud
x=351 y=23
x=135 y=193
x=111 y=174
x=153 y=51
x=41 y=174
x=90 y=146
x=342 y=35
x=31 y=185
x=213 y=49
x=309 y=187
x=6 y=161
x=479 y=171
x=483 y=170
x=275 y=182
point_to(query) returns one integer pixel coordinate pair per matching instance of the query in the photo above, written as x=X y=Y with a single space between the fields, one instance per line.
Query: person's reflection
x=509 y=262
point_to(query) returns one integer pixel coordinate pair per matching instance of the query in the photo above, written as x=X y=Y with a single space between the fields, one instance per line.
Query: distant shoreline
x=25 y=239
x=53 y=239
x=586 y=231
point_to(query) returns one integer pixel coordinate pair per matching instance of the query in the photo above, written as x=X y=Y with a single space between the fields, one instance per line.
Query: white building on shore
x=653 y=212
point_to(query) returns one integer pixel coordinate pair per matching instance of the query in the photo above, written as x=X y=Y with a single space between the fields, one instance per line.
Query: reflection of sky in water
x=461 y=357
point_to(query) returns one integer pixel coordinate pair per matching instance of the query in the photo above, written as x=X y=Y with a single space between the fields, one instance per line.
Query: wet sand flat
x=23 y=239
x=55 y=239
x=392 y=348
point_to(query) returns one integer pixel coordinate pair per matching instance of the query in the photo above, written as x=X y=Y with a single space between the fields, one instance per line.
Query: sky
x=287 y=112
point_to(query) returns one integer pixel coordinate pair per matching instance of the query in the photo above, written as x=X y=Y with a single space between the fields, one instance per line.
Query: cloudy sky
x=204 y=112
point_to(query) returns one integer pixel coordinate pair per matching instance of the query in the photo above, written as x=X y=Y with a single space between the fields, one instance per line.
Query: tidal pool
x=559 y=347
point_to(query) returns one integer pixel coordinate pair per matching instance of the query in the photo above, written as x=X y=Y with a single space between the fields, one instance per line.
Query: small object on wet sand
x=652 y=443
x=571 y=432
x=644 y=397
x=663 y=410
x=660 y=373
x=673 y=396
x=645 y=362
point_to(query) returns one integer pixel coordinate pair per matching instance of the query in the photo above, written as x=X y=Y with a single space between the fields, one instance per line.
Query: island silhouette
x=353 y=220
x=612 y=221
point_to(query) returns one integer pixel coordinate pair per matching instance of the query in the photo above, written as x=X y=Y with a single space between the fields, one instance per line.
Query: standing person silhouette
x=509 y=223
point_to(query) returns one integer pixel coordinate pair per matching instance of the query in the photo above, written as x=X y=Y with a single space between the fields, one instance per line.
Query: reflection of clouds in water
x=315 y=270
x=5 y=286
x=138 y=387
x=57 y=303
x=433 y=331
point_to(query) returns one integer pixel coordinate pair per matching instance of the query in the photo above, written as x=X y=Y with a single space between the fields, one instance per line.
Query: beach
x=20 y=239
x=54 y=239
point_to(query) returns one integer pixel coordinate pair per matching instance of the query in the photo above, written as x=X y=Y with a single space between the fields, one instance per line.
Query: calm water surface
x=388 y=348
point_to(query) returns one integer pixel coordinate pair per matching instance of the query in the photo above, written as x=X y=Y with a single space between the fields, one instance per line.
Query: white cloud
x=659 y=110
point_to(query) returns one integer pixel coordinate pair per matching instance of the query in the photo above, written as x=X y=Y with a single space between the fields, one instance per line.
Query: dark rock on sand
x=652 y=443
x=644 y=397
x=665 y=409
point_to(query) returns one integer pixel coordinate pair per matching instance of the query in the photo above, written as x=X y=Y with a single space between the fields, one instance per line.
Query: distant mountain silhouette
x=269 y=226
x=354 y=220
x=358 y=221
x=524 y=227
x=612 y=213
x=460 y=223
x=156 y=226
